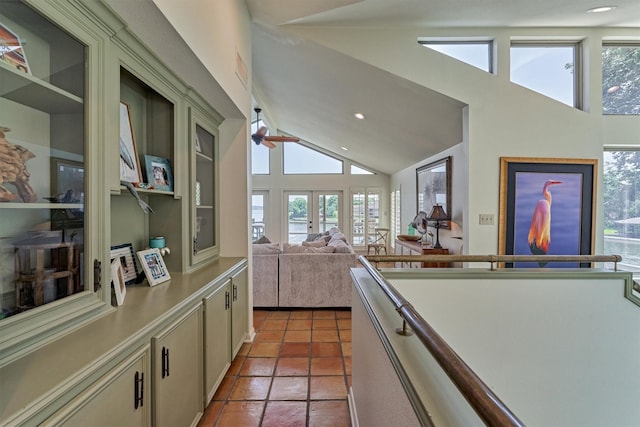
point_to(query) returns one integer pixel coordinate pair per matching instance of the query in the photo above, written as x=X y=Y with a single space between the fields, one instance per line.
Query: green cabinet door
x=239 y=307
x=217 y=337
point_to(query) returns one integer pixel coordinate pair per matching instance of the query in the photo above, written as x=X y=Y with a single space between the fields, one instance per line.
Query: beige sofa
x=303 y=276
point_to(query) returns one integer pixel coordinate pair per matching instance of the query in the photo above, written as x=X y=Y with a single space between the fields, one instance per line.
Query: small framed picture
x=159 y=172
x=153 y=265
x=124 y=253
x=117 y=278
x=198 y=147
x=11 y=50
x=129 y=162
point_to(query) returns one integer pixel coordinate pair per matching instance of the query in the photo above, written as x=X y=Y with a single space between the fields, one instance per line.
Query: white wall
x=503 y=119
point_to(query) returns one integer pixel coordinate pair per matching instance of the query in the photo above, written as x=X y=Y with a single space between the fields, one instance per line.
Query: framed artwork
x=433 y=182
x=547 y=208
x=129 y=161
x=117 y=278
x=153 y=265
x=67 y=178
x=159 y=172
x=124 y=253
x=11 y=50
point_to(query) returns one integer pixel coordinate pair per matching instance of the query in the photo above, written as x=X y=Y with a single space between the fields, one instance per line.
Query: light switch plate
x=486 y=219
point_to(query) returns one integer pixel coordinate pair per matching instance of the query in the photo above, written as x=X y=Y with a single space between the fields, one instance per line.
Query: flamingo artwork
x=540 y=230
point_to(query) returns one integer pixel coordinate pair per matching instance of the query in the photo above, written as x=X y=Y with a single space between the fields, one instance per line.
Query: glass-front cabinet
x=204 y=187
x=42 y=161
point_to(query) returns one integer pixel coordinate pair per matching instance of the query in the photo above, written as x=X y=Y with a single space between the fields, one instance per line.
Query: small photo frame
x=124 y=253
x=129 y=161
x=159 y=172
x=117 y=277
x=153 y=265
x=11 y=50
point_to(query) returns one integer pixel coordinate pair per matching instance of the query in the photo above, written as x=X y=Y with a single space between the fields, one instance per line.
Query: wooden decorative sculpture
x=13 y=170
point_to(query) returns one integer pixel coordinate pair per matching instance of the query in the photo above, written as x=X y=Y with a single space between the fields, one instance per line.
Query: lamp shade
x=438 y=213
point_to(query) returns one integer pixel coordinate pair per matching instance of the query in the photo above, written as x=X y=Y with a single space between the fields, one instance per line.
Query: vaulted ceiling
x=312 y=92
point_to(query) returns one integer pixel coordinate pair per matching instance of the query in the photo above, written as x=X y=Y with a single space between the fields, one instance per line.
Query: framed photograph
x=153 y=265
x=67 y=177
x=117 y=278
x=433 y=182
x=124 y=253
x=11 y=50
x=129 y=161
x=547 y=208
x=159 y=172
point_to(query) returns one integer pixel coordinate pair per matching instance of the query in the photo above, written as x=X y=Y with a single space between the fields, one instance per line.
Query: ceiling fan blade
x=261 y=132
x=282 y=138
x=268 y=143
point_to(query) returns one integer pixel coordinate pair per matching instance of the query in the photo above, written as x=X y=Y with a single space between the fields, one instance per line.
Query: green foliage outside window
x=621 y=80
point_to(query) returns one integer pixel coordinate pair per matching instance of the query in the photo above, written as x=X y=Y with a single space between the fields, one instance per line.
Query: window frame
x=613 y=44
x=488 y=42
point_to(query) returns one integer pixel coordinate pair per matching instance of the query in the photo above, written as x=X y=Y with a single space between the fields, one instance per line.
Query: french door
x=365 y=216
x=311 y=212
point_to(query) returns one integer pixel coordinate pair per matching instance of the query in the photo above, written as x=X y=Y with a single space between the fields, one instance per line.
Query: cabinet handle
x=226 y=300
x=138 y=390
x=97 y=274
x=165 y=362
x=235 y=292
x=195 y=246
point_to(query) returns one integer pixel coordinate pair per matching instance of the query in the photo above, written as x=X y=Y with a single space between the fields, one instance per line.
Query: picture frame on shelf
x=125 y=254
x=197 y=144
x=153 y=266
x=159 y=172
x=117 y=278
x=540 y=194
x=433 y=184
x=129 y=160
x=11 y=50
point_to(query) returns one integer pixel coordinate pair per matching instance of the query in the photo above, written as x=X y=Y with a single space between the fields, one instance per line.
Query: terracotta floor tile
x=245 y=414
x=347 y=365
x=211 y=414
x=323 y=388
x=324 y=324
x=244 y=349
x=329 y=414
x=327 y=366
x=295 y=349
x=269 y=336
x=278 y=315
x=301 y=314
x=349 y=381
x=343 y=314
x=325 y=335
x=324 y=314
x=236 y=365
x=346 y=349
x=222 y=393
x=258 y=367
x=259 y=314
x=292 y=366
x=344 y=324
x=326 y=349
x=264 y=349
x=299 y=324
x=257 y=324
x=289 y=388
x=345 y=335
x=274 y=325
x=250 y=388
x=285 y=414
x=297 y=336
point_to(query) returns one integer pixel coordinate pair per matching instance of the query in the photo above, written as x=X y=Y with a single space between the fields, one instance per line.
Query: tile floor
x=295 y=373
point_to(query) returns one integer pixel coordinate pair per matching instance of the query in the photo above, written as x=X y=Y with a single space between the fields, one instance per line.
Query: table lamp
x=438 y=215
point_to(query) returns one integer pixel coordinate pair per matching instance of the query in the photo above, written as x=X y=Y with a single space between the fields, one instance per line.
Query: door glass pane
x=328 y=211
x=298 y=217
x=373 y=215
x=257 y=216
x=42 y=172
x=357 y=218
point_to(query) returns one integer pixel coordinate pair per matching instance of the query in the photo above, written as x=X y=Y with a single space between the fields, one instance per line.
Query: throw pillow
x=315 y=244
x=333 y=230
x=341 y=246
x=261 y=240
x=339 y=236
x=312 y=236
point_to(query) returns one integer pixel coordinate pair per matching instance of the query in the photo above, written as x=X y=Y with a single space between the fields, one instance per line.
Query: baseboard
x=352 y=408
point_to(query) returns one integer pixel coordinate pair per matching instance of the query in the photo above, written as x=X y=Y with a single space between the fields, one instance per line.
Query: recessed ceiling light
x=345 y=148
x=601 y=9
x=359 y=116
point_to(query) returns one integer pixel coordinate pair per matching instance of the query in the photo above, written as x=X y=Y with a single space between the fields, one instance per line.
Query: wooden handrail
x=496 y=259
x=483 y=401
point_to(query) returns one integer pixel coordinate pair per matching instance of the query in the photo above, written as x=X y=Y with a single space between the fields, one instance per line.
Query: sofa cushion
x=300 y=249
x=338 y=236
x=265 y=249
x=341 y=246
x=315 y=244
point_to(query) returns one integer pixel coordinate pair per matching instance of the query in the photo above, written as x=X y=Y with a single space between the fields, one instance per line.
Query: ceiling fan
x=261 y=137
